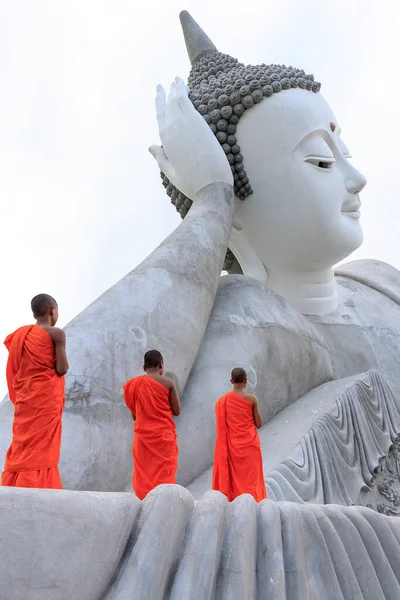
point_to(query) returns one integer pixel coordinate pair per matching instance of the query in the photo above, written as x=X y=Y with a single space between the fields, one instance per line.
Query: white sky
x=80 y=197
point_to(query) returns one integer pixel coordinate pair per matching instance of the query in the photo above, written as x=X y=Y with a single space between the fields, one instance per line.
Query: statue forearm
x=194 y=253
x=164 y=303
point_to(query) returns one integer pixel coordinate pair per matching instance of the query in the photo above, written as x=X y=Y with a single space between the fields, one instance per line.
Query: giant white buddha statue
x=254 y=160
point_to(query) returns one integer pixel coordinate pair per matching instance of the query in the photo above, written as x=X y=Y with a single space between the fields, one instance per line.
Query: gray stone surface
x=364 y=332
x=382 y=493
x=199 y=577
x=375 y=274
x=50 y=542
x=168 y=548
x=150 y=559
x=337 y=457
x=198 y=43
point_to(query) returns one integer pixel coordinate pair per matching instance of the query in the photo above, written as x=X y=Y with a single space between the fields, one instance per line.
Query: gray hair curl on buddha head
x=222 y=89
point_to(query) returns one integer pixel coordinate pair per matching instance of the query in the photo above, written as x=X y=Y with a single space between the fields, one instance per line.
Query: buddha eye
x=321 y=163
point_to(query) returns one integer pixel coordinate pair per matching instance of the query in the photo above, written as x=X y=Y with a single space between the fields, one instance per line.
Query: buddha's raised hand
x=190 y=156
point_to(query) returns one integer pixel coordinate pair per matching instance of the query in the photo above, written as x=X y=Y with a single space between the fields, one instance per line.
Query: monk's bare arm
x=60 y=340
x=128 y=403
x=174 y=400
x=256 y=412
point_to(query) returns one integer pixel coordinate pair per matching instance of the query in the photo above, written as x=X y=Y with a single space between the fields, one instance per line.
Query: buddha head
x=297 y=193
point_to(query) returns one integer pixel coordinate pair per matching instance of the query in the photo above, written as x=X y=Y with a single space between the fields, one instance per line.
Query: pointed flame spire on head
x=198 y=44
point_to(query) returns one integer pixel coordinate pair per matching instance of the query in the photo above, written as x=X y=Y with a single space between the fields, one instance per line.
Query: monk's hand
x=191 y=156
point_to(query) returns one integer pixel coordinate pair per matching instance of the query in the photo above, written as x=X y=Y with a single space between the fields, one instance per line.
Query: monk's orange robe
x=155 y=449
x=238 y=467
x=37 y=393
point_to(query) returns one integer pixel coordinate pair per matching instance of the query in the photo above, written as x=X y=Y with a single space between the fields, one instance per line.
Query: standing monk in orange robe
x=37 y=362
x=238 y=467
x=153 y=400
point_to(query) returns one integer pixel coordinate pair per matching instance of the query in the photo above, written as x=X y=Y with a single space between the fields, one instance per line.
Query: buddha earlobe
x=198 y=44
x=246 y=256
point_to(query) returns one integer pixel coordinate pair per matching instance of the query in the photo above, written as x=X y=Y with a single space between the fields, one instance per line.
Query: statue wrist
x=217 y=192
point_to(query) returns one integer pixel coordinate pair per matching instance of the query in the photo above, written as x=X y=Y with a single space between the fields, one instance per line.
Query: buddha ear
x=246 y=256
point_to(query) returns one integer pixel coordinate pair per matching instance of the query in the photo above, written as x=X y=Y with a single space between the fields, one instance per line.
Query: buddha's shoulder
x=374 y=274
x=243 y=303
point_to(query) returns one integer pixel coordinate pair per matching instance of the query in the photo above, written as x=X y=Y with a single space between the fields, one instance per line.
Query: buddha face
x=305 y=209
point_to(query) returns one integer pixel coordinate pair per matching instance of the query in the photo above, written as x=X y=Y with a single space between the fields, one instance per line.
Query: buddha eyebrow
x=321 y=132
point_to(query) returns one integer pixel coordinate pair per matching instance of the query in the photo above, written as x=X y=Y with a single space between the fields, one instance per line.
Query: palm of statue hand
x=190 y=155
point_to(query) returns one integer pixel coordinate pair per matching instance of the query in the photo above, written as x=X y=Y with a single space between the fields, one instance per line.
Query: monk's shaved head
x=238 y=375
x=153 y=359
x=41 y=303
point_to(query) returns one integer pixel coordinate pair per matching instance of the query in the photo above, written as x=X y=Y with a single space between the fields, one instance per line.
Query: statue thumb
x=158 y=153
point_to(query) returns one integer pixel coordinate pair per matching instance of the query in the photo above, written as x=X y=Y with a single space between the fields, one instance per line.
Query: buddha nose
x=355 y=182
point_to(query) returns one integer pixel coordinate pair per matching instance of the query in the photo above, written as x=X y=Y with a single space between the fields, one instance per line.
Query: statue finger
x=164 y=164
x=180 y=83
x=173 y=111
x=182 y=95
x=160 y=107
x=171 y=93
x=158 y=153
